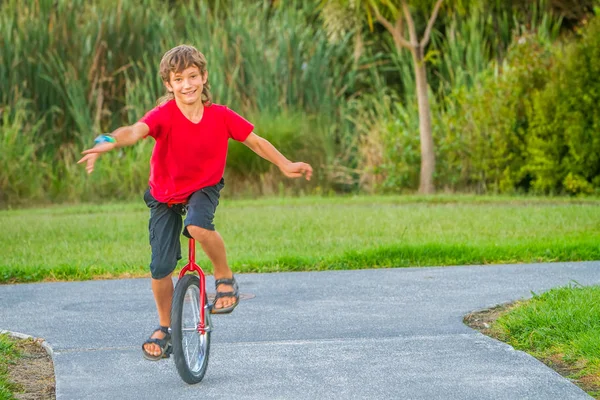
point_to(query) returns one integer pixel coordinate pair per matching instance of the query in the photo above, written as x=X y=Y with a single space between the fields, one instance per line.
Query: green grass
x=559 y=326
x=285 y=234
x=8 y=354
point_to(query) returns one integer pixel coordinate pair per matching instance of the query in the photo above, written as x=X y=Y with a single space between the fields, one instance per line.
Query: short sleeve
x=237 y=127
x=156 y=121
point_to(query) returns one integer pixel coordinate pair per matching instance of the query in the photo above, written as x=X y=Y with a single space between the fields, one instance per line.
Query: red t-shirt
x=188 y=156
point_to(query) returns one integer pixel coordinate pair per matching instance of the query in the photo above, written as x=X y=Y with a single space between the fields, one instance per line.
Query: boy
x=186 y=174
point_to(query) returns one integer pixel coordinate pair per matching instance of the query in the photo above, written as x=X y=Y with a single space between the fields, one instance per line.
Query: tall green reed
x=87 y=78
x=22 y=170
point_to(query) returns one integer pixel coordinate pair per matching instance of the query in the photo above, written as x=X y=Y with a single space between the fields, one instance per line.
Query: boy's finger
x=91 y=151
x=89 y=166
x=88 y=156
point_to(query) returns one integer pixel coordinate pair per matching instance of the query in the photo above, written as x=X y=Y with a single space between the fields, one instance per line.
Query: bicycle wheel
x=190 y=348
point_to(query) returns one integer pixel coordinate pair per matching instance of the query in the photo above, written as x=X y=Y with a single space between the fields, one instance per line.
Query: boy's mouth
x=189 y=93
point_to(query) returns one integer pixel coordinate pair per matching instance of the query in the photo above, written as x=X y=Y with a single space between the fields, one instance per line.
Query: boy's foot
x=153 y=348
x=158 y=345
x=227 y=296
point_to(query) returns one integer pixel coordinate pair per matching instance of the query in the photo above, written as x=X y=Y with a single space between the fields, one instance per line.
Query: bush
x=564 y=142
x=488 y=124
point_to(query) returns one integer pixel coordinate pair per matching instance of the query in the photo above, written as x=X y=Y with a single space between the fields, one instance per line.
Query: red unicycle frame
x=192 y=266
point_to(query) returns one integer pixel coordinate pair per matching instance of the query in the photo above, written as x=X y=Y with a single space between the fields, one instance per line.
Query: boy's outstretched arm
x=266 y=150
x=124 y=136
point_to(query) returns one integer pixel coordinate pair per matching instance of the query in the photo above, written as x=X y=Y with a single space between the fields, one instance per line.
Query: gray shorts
x=166 y=225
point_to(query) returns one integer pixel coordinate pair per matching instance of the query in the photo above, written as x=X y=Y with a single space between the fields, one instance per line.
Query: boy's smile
x=187 y=85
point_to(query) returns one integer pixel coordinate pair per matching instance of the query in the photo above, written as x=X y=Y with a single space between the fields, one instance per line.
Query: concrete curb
x=22 y=336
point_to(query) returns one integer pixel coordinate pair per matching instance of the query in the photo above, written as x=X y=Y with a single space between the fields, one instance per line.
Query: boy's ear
x=168 y=86
x=205 y=78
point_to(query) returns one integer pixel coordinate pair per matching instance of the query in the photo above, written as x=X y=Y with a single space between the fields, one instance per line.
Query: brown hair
x=178 y=59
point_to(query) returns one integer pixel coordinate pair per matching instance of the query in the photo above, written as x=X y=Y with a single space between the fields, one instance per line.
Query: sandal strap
x=226 y=281
x=160 y=342
x=163 y=329
x=218 y=295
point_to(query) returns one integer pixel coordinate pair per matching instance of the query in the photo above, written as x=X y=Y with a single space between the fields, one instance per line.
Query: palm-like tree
x=397 y=18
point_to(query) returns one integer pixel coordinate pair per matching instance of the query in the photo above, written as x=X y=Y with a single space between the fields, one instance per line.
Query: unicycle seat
x=179 y=208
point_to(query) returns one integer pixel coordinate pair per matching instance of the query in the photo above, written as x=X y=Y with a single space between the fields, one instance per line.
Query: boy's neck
x=193 y=112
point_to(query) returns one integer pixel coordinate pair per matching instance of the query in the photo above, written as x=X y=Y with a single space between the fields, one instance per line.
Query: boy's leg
x=202 y=206
x=165 y=229
x=214 y=247
x=163 y=295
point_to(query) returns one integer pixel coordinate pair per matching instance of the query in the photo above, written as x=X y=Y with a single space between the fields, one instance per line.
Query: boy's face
x=187 y=85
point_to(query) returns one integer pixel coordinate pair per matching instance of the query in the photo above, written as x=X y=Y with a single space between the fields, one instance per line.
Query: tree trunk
x=417 y=49
x=426 y=185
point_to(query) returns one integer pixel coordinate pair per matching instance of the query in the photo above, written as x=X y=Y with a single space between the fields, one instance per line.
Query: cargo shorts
x=167 y=223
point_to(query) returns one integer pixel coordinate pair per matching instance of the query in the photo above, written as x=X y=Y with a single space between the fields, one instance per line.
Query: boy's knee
x=161 y=278
x=162 y=269
x=198 y=233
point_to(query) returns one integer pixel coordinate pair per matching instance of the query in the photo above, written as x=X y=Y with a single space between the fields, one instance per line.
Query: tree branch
x=395 y=31
x=432 y=19
x=412 y=32
x=400 y=25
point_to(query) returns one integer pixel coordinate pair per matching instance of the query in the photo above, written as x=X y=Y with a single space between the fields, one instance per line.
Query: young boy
x=186 y=174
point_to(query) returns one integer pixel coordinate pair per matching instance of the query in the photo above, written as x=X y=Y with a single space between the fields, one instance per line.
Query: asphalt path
x=364 y=334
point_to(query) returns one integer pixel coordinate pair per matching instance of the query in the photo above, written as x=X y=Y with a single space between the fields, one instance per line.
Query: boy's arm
x=266 y=150
x=124 y=136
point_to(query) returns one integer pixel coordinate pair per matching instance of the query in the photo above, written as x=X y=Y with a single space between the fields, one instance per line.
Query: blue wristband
x=105 y=139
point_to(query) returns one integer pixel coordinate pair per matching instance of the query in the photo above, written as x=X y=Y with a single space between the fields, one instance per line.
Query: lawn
x=310 y=233
x=560 y=327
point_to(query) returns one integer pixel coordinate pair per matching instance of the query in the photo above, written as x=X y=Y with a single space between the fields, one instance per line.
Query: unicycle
x=190 y=321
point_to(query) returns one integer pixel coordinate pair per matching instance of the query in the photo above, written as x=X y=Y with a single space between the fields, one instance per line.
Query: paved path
x=368 y=334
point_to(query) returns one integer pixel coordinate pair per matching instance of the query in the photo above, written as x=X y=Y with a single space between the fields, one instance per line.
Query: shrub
x=488 y=123
x=564 y=142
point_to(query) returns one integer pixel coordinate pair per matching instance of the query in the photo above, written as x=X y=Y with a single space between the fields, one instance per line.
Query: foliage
x=463 y=86
x=21 y=169
x=564 y=144
x=347 y=106
x=74 y=80
x=489 y=121
x=531 y=123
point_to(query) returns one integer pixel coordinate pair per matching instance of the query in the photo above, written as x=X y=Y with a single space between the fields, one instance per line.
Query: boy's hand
x=296 y=170
x=91 y=155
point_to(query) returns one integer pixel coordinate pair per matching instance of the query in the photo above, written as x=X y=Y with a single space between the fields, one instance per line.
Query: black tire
x=180 y=309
